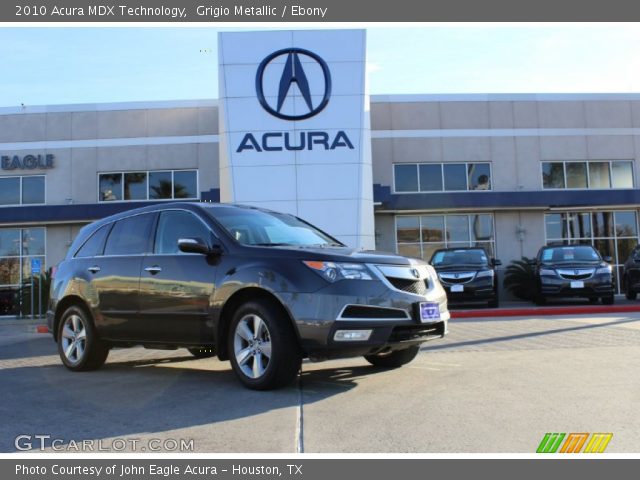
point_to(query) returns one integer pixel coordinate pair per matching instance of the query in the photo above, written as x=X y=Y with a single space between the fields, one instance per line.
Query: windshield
x=260 y=228
x=442 y=258
x=580 y=253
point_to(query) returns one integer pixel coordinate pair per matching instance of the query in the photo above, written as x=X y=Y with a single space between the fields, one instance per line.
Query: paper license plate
x=457 y=288
x=429 y=312
x=577 y=284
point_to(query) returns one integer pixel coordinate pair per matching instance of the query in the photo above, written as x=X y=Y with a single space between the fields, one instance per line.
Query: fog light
x=352 y=335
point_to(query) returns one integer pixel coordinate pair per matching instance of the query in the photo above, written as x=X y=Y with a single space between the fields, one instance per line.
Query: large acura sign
x=294 y=127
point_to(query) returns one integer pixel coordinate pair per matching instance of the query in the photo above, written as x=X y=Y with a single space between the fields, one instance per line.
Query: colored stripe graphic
x=574 y=442
x=598 y=442
x=550 y=442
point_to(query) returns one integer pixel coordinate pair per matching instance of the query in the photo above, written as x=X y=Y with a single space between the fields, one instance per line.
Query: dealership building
x=294 y=129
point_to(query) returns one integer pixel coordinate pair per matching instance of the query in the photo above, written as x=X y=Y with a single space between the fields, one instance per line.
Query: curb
x=543 y=311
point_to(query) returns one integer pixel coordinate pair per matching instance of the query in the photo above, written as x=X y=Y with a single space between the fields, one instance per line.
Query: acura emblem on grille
x=415 y=272
x=457 y=275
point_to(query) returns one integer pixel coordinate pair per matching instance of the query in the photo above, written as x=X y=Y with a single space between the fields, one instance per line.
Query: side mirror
x=495 y=262
x=196 y=245
x=607 y=259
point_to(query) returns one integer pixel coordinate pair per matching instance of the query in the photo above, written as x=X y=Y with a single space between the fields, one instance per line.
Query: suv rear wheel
x=393 y=359
x=263 y=347
x=78 y=344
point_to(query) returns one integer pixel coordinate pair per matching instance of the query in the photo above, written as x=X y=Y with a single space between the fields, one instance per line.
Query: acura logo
x=415 y=272
x=293 y=72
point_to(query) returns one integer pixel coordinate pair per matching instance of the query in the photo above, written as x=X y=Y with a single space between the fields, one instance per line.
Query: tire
x=608 y=300
x=79 y=346
x=394 y=359
x=257 y=327
x=202 y=352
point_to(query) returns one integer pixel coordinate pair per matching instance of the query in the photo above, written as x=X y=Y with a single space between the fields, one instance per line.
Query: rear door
x=115 y=276
x=176 y=288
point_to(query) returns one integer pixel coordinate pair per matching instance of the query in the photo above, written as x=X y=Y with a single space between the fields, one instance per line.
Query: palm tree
x=520 y=280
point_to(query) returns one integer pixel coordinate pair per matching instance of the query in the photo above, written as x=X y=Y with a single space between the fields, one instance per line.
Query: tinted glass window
x=160 y=185
x=552 y=175
x=110 y=186
x=430 y=178
x=622 y=174
x=174 y=225
x=10 y=191
x=460 y=257
x=433 y=228
x=406 y=178
x=9 y=242
x=185 y=184
x=599 y=175
x=129 y=236
x=555 y=225
x=33 y=241
x=576 y=175
x=32 y=190
x=94 y=245
x=626 y=225
x=479 y=176
x=455 y=176
x=458 y=228
x=408 y=229
x=482 y=227
x=135 y=186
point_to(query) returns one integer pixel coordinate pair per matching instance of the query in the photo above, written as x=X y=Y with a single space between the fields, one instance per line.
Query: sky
x=61 y=65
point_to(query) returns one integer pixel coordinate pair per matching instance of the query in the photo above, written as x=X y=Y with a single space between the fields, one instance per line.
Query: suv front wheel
x=78 y=344
x=263 y=347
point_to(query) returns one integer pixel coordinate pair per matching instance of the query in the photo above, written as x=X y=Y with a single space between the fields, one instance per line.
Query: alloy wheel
x=74 y=339
x=252 y=346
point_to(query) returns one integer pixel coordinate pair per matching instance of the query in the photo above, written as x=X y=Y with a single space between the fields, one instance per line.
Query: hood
x=340 y=254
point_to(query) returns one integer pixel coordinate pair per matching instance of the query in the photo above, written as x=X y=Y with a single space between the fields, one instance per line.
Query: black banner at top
x=318 y=11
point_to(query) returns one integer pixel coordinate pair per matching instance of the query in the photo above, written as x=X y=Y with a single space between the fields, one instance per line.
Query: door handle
x=153 y=270
x=94 y=269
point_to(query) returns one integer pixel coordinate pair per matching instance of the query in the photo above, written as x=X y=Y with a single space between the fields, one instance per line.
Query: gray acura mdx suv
x=259 y=288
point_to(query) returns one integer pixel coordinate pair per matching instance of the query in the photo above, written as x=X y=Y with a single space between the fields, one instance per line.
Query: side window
x=94 y=245
x=176 y=224
x=130 y=236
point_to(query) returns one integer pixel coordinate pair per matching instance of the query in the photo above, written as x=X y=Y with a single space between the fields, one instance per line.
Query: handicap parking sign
x=35 y=265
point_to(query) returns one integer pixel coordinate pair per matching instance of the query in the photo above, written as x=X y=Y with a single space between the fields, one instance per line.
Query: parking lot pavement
x=490 y=386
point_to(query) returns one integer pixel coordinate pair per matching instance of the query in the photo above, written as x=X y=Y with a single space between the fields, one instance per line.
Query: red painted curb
x=42 y=329
x=543 y=311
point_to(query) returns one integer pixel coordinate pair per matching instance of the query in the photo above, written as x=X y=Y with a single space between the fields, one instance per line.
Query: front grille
x=403 y=333
x=458 y=277
x=417 y=287
x=576 y=274
x=362 y=311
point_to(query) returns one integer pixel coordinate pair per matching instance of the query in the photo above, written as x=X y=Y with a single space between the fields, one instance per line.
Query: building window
x=587 y=175
x=420 y=236
x=612 y=233
x=153 y=185
x=28 y=190
x=18 y=247
x=438 y=177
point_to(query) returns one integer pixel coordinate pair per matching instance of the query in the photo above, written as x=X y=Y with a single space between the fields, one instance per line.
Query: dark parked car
x=467 y=275
x=259 y=288
x=631 y=274
x=573 y=271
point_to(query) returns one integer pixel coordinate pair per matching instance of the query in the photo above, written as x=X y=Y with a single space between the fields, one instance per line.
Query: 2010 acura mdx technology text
x=259 y=288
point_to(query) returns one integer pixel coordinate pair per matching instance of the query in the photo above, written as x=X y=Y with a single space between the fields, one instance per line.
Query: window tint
x=599 y=175
x=430 y=177
x=455 y=176
x=185 y=184
x=406 y=178
x=135 y=186
x=110 y=187
x=174 y=225
x=479 y=176
x=129 y=236
x=552 y=175
x=33 y=190
x=10 y=191
x=622 y=174
x=160 y=185
x=93 y=246
x=576 y=175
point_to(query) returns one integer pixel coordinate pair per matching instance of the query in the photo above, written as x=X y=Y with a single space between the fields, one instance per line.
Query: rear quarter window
x=130 y=236
x=94 y=244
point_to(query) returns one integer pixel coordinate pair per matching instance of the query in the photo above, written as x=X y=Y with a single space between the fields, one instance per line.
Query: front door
x=176 y=288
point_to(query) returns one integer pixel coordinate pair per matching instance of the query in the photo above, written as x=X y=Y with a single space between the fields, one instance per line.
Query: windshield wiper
x=273 y=244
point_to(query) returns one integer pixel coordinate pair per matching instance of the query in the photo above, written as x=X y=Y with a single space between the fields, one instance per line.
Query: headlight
x=332 y=271
x=484 y=273
x=604 y=270
x=547 y=271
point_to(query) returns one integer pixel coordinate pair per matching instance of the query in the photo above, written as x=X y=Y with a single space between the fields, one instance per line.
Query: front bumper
x=596 y=286
x=391 y=315
x=472 y=292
